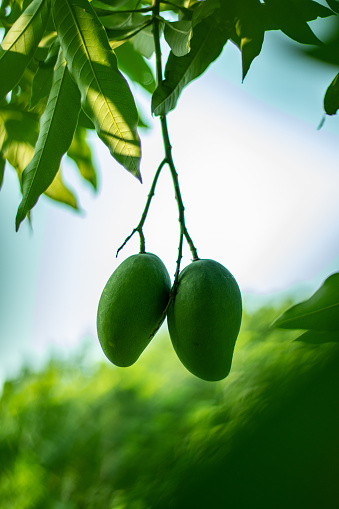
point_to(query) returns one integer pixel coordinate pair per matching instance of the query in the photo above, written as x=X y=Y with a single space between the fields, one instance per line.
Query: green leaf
x=57 y=126
x=81 y=154
x=123 y=20
x=204 y=10
x=308 y=10
x=208 y=40
x=318 y=337
x=250 y=30
x=18 y=127
x=20 y=43
x=109 y=4
x=288 y=16
x=41 y=86
x=133 y=64
x=312 y=10
x=334 y=5
x=57 y=191
x=178 y=35
x=143 y=42
x=118 y=35
x=331 y=98
x=319 y=313
x=18 y=153
x=43 y=78
x=105 y=95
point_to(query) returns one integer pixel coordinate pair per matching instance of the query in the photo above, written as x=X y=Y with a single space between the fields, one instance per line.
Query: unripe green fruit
x=204 y=319
x=131 y=306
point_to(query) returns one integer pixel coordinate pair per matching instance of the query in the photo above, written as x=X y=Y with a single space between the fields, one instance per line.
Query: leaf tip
x=18 y=220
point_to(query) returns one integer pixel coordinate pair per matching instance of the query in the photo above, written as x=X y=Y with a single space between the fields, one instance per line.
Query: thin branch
x=168 y=147
x=140 y=226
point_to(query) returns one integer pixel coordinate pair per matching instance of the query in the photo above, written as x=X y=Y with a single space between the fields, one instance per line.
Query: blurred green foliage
x=84 y=435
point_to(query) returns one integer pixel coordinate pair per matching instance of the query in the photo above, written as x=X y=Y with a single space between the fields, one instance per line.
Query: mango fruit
x=204 y=319
x=131 y=306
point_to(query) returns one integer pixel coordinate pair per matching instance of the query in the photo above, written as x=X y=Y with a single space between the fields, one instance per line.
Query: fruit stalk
x=168 y=149
x=145 y=212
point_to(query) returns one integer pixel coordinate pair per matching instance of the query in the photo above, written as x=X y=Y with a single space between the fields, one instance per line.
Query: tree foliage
x=61 y=65
x=81 y=435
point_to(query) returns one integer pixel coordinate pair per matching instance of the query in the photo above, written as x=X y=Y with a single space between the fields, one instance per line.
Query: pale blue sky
x=259 y=184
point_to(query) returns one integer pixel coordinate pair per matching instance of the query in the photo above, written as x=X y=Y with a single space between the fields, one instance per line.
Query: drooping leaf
x=143 y=42
x=105 y=95
x=204 y=10
x=81 y=154
x=20 y=44
x=18 y=153
x=59 y=192
x=57 y=126
x=178 y=35
x=320 y=312
x=318 y=337
x=109 y=4
x=334 y=4
x=289 y=17
x=308 y=10
x=20 y=134
x=133 y=64
x=311 y=10
x=119 y=35
x=250 y=30
x=18 y=127
x=43 y=78
x=209 y=38
x=41 y=88
x=331 y=98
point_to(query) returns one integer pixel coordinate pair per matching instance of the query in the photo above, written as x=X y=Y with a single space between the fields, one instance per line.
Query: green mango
x=131 y=307
x=204 y=319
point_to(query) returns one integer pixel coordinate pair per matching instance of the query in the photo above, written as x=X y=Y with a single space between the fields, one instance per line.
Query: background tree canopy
x=83 y=435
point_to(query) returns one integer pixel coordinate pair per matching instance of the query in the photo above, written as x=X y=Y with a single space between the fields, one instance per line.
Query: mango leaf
x=19 y=127
x=115 y=20
x=109 y=4
x=334 y=5
x=18 y=153
x=20 y=43
x=2 y=168
x=204 y=10
x=311 y=10
x=319 y=313
x=118 y=35
x=178 y=35
x=143 y=42
x=208 y=40
x=331 y=98
x=123 y=20
x=250 y=30
x=133 y=64
x=43 y=78
x=59 y=192
x=18 y=148
x=57 y=126
x=319 y=337
x=288 y=16
x=105 y=95
x=81 y=154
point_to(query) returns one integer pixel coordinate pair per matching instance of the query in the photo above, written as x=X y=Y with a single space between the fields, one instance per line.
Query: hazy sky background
x=260 y=186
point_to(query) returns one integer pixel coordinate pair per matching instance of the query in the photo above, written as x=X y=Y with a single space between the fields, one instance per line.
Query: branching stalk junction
x=168 y=160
